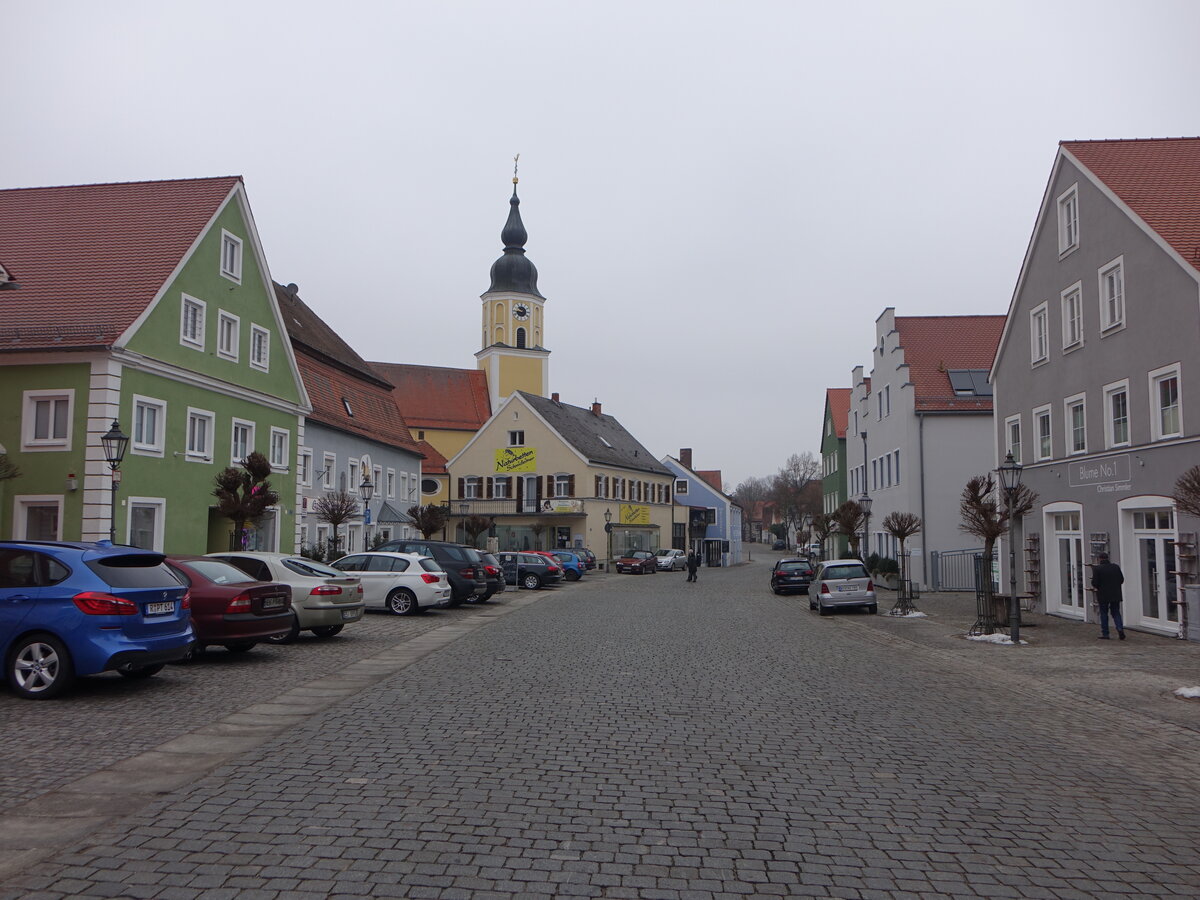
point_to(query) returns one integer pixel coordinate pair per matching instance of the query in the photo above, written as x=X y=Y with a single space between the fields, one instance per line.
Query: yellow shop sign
x=516 y=459
x=634 y=515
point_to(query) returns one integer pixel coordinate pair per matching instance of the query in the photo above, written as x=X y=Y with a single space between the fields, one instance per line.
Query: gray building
x=1095 y=372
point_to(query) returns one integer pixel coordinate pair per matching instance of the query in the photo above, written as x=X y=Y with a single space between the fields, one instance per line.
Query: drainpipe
x=921 y=478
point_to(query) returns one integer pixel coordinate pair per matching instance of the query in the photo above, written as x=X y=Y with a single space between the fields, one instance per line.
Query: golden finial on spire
x=515 y=160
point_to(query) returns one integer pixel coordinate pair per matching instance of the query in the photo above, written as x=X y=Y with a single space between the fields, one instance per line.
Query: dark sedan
x=532 y=570
x=640 y=561
x=791 y=575
x=229 y=608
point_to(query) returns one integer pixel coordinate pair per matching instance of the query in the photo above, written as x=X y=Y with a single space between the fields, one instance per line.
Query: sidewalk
x=1139 y=674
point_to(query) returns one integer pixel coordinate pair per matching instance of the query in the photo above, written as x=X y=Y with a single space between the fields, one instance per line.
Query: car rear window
x=134 y=570
x=844 y=572
x=310 y=569
x=798 y=567
x=219 y=572
x=430 y=565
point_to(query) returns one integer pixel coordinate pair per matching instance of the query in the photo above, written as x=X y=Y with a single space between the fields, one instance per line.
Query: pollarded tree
x=985 y=513
x=902 y=526
x=429 y=519
x=474 y=526
x=244 y=495
x=822 y=527
x=337 y=509
x=1187 y=492
x=849 y=518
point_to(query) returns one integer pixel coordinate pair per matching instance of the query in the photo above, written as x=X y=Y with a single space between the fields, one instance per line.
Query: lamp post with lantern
x=864 y=501
x=608 y=531
x=1010 y=480
x=115 y=443
x=366 y=490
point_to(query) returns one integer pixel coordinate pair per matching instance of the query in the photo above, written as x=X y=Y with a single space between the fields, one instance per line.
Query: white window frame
x=230 y=353
x=205 y=453
x=1068 y=220
x=1038 y=413
x=1070 y=404
x=1108 y=324
x=501 y=487
x=562 y=486
x=377 y=479
x=1110 y=433
x=279 y=462
x=263 y=364
x=390 y=484
x=21 y=505
x=159 y=504
x=896 y=453
x=304 y=466
x=196 y=342
x=1156 y=377
x=231 y=271
x=352 y=475
x=1072 y=301
x=516 y=438
x=233 y=430
x=1008 y=436
x=472 y=487
x=329 y=461
x=155 y=446
x=681 y=487
x=1039 y=314
x=29 y=402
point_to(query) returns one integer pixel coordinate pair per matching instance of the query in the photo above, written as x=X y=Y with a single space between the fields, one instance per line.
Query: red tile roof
x=1158 y=178
x=712 y=477
x=372 y=412
x=839 y=408
x=934 y=344
x=436 y=397
x=435 y=463
x=91 y=257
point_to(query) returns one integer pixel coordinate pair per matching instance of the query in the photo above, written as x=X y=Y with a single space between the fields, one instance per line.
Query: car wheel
x=327 y=631
x=39 y=667
x=873 y=609
x=531 y=582
x=572 y=576
x=131 y=671
x=288 y=636
x=402 y=602
x=241 y=646
x=775 y=591
x=812 y=604
x=823 y=609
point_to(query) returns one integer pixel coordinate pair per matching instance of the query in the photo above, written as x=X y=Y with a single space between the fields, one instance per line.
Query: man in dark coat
x=693 y=563
x=1107 y=579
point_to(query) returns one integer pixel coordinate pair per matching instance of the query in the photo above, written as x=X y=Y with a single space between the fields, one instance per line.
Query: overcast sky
x=720 y=197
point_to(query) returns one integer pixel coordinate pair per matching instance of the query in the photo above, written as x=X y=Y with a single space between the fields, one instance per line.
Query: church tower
x=513 y=355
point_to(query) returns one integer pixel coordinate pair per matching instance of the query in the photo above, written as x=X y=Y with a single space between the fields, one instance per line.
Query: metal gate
x=953 y=570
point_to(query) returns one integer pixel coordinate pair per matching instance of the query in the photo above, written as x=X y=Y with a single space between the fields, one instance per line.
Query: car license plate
x=273 y=603
x=847 y=587
x=160 y=609
x=351 y=614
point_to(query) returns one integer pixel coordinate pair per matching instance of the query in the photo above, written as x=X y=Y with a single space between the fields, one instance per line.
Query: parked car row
x=832 y=584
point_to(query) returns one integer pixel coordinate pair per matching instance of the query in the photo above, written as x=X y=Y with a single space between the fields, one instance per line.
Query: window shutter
x=549 y=485
x=570 y=485
x=490 y=488
x=462 y=488
x=539 y=489
x=520 y=488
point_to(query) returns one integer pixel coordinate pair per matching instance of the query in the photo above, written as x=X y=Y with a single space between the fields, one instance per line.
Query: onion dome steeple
x=514 y=271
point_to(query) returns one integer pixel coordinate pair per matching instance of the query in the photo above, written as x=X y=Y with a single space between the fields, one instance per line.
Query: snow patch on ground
x=992 y=639
x=912 y=615
x=1188 y=692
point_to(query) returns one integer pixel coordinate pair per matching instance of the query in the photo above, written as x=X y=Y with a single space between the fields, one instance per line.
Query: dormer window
x=969 y=382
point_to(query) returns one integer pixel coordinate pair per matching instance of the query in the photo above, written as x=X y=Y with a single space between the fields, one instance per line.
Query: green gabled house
x=148 y=304
x=833 y=463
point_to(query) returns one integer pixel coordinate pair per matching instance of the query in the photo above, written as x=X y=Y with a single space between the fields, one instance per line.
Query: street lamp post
x=114 y=443
x=1010 y=479
x=608 y=531
x=366 y=490
x=865 y=502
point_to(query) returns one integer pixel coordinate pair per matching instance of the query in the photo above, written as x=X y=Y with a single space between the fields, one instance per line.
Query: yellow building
x=553 y=475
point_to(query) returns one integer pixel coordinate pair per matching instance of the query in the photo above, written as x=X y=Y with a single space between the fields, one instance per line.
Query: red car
x=640 y=561
x=229 y=607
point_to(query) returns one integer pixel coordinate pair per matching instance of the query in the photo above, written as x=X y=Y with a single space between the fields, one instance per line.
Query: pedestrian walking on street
x=693 y=564
x=1107 y=579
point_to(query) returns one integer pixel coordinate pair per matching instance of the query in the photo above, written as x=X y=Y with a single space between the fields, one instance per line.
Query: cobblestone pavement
x=646 y=737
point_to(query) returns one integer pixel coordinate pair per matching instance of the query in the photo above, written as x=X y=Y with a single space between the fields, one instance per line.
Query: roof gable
x=933 y=345
x=437 y=397
x=837 y=404
x=353 y=404
x=597 y=437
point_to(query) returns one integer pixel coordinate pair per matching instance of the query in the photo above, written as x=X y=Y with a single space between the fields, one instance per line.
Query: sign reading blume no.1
x=1106 y=475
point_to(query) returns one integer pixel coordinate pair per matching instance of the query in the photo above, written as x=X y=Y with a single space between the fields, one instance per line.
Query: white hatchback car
x=841 y=582
x=399 y=582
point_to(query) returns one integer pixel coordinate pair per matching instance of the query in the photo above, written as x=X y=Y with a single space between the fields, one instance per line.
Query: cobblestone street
x=642 y=737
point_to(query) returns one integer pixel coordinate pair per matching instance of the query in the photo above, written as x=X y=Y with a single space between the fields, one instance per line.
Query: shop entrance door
x=1154 y=534
x=1069 y=569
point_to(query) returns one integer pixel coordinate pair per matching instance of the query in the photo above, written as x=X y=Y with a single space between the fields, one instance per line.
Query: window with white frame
x=260 y=348
x=191 y=322
x=1116 y=414
x=562 y=486
x=471 y=485
x=887 y=399
x=228 y=335
x=352 y=478
x=377 y=478
x=1072 y=317
x=516 y=438
x=1112 y=294
x=1042 y=424
x=241 y=443
x=149 y=423
x=329 y=461
x=390 y=486
x=1165 y=403
x=1068 y=219
x=281 y=440
x=1075 y=415
x=1039 y=334
x=231 y=256
x=1012 y=437
x=880 y=396
x=46 y=419
x=500 y=486
x=681 y=486
x=896 y=453
x=145 y=522
x=304 y=461
x=200 y=426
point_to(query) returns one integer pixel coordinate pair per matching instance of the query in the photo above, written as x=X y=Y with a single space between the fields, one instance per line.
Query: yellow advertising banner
x=516 y=459
x=634 y=515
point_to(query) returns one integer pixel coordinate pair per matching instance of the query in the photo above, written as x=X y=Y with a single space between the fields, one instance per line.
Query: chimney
x=595 y=407
x=685 y=456
x=554 y=396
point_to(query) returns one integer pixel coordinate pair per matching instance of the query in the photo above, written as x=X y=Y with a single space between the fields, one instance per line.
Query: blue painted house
x=711 y=522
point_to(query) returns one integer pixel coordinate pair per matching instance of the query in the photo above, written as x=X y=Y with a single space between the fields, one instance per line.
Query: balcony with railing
x=547 y=506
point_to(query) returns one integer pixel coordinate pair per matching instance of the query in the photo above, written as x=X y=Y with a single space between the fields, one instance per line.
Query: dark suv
x=791 y=575
x=463 y=565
